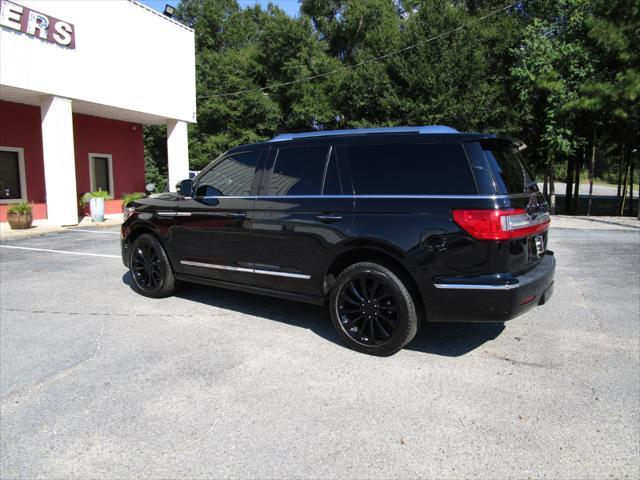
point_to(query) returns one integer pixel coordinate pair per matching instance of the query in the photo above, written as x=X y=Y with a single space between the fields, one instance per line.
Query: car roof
x=422 y=134
x=421 y=130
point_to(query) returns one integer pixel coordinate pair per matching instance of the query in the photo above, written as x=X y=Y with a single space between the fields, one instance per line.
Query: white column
x=59 y=160
x=177 y=152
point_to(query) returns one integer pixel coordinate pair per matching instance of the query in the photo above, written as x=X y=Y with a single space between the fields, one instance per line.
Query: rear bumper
x=475 y=300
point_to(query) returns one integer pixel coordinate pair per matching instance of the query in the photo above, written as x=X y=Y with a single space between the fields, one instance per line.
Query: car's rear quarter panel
x=432 y=246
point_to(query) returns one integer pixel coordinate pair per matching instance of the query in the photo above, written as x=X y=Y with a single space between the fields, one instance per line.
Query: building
x=78 y=81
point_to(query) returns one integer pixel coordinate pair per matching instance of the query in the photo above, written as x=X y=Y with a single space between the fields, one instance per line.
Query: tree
x=563 y=75
x=551 y=67
x=610 y=97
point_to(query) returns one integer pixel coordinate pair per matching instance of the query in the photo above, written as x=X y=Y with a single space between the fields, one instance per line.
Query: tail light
x=503 y=224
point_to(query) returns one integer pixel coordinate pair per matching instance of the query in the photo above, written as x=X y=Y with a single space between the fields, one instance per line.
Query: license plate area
x=539 y=244
x=536 y=246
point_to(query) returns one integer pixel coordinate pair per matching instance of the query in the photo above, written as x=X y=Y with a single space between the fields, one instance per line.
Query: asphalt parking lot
x=98 y=382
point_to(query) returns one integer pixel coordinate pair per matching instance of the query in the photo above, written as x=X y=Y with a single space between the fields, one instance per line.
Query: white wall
x=126 y=57
x=59 y=160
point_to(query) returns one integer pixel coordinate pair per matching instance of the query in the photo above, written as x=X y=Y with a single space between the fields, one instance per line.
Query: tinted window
x=417 y=169
x=509 y=172
x=331 y=178
x=231 y=177
x=298 y=171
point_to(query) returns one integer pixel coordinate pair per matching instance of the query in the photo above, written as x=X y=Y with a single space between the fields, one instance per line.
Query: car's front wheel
x=372 y=309
x=150 y=268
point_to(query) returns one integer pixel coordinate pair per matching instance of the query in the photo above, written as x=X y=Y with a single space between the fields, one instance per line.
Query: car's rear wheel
x=372 y=309
x=150 y=268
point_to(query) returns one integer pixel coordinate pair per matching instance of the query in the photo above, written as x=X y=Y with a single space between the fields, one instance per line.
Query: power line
x=364 y=62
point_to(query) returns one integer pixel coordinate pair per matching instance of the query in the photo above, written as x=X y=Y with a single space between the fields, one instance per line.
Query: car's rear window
x=411 y=169
x=509 y=171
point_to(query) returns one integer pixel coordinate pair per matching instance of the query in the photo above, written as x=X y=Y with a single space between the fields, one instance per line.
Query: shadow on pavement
x=454 y=339
x=445 y=339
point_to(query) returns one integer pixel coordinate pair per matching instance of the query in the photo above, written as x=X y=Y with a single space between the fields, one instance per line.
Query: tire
x=150 y=269
x=378 y=327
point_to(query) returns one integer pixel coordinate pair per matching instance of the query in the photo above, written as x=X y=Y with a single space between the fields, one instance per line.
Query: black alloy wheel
x=372 y=309
x=145 y=267
x=150 y=268
x=368 y=311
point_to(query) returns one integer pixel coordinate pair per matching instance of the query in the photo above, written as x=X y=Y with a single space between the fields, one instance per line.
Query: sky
x=291 y=7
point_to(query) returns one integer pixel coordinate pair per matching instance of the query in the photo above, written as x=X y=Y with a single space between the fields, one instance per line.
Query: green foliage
x=131 y=197
x=153 y=174
x=550 y=67
x=155 y=160
x=20 y=208
x=84 y=200
x=559 y=74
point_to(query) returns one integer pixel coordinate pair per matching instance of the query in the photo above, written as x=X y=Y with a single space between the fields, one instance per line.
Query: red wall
x=20 y=127
x=122 y=140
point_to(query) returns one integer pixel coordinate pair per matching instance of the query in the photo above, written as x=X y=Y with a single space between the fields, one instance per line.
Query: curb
x=41 y=228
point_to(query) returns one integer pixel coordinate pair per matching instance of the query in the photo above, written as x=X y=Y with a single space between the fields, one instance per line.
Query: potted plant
x=19 y=215
x=131 y=197
x=96 y=204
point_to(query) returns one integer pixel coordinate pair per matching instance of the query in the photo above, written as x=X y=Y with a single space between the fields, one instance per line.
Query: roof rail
x=427 y=129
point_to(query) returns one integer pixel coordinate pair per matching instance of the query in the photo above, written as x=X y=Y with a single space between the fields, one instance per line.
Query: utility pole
x=634 y=152
x=592 y=167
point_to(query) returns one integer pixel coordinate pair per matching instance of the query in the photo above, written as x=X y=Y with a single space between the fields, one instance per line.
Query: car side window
x=411 y=169
x=233 y=176
x=298 y=171
x=331 y=177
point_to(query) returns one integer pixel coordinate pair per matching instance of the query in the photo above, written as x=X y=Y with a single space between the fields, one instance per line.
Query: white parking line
x=92 y=231
x=61 y=251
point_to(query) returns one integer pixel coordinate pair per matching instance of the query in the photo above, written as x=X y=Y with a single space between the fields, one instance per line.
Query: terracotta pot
x=19 y=221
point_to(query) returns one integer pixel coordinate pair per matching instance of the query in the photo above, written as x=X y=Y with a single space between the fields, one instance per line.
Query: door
x=101 y=173
x=299 y=219
x=212 y=235
x=12 y=184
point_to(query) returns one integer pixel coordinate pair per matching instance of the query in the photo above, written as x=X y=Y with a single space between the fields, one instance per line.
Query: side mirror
x=185 y=187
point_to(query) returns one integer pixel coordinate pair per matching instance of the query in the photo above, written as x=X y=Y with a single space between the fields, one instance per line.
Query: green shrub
x=131 y=197
x=610 y=177
x=152 y=174
x=20 y=208
x=89 y=195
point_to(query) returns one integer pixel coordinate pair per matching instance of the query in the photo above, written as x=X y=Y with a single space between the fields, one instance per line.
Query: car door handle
x=329 y=218
x=238 y=215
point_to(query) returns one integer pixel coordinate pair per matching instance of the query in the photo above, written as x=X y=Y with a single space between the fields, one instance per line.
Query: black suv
x=389 y=226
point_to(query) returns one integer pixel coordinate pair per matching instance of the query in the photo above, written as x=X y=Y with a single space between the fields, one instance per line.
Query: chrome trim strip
x=245 y=270
x=462 y=197
x=165 y=213
x=283 y=274
x=217 y=267
x=461 y=286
